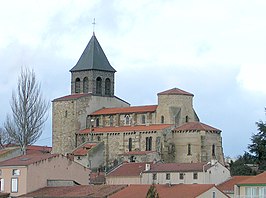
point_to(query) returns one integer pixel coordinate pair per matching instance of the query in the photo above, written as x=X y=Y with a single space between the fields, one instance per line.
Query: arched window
x=111 y=120
x=127 y=119
x=85 y=85
x=189 y=149
x=187 y=118
x=143 y=119
x=107 y=87
x=97 y=122
x=77 y=85
x=162 y=119
x=148 y=143
x=99 y=86
x=130 y=144
x=213 y=150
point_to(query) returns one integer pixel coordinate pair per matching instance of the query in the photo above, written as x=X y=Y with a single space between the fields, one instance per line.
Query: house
x=228 y=186
x=172 y=191
x=187 y=173
x=127 y=173
x=168 y=173
x=253 y=187
x=91 y=191
x=27 y=173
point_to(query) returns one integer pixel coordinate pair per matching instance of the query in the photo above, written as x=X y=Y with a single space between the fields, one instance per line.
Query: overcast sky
x=211 y=48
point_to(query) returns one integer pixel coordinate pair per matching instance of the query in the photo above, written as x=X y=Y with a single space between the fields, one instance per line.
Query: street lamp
x=203 y=167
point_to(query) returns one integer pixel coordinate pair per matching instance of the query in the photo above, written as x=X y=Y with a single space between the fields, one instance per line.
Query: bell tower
x=93 y=72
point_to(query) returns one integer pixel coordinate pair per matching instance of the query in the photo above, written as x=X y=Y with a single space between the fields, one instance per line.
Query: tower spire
x=93 y=23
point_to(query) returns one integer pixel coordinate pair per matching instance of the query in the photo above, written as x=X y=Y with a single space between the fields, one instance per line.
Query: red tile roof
x=72 y=96
x=35 y=149
x=228 y=186
x=175 y=91
x=25 y=160
x=258 y=179
x=153 y=127
x=134 y=109
x=138 y=152
x=178 y=167
x=76 y=191
x=191 y=126
x=165 y=191
x=83 y=150
x=128 y=169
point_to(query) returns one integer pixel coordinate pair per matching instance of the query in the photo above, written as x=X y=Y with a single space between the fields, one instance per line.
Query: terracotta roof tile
x=177 y=167
x=83 y=150
x=138 y=152
x=128 y=169
x=191 y=126
x=72 y=96
x=165 y=191
x=175 y=91
x=76 y=191
x=133 y=109
x=258 y=179
x=25 y=160
x=228 y=186
x=153 y=127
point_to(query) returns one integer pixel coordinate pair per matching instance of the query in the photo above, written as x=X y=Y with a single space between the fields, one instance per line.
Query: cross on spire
x=93 y=23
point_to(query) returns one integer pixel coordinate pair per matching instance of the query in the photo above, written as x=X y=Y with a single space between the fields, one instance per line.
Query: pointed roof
x=258 y=179
x=93 y=58
x=175 y=91
x=191 y=126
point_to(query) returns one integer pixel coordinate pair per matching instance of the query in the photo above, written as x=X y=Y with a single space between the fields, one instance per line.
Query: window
x=213 y=195
x=14 y=185
x=162 y=119
x=65 y=114
x=143 y=119
x=181 y=176
x=148 y=143
x=189 y=149
x=15 y=172
x=195 y=175
x=167 y=176
x=97 y=122
x=130 y=144
x=98 y=138
x=85 y=85
x=107 y=87
x=127 y=119
x=213 y=150
x=77 y=85
x=111 y=120
x=1 y=185
x=154 y=176
x=186 y=118
x=99 y=86
x=255 y=192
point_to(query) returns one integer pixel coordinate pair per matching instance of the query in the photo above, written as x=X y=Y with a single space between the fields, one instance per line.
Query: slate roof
x=175 y=91
x=133 y=109
x=76 y=191
x=25 y=160
x=93 y=58
x=258 y=179
x=153 y=127
x=195 y=126
x=165 y=191
x=228 y=186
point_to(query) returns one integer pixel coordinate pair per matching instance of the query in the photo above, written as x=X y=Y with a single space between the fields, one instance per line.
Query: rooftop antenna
x=93 y=23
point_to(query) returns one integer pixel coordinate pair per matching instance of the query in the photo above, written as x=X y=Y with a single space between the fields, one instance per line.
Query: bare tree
x=29 y=111
x=4 y=138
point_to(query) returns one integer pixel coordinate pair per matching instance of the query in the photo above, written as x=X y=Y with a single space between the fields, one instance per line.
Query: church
x=100 y=129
